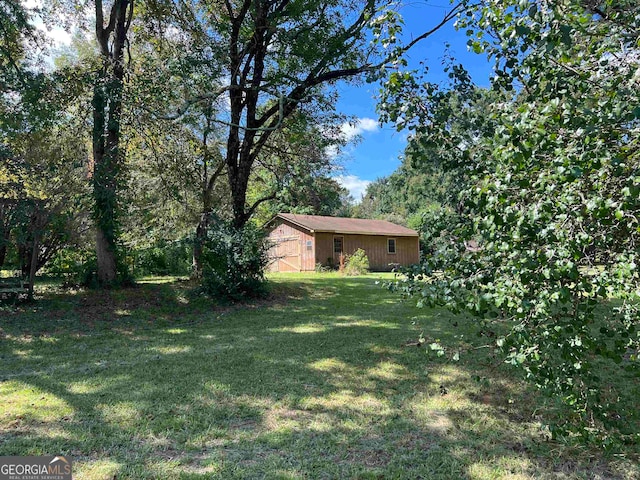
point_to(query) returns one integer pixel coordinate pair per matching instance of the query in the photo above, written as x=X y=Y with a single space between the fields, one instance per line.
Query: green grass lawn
x=317 y=382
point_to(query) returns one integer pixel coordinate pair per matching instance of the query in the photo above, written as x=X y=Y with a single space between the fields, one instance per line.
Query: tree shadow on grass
x=320 y=387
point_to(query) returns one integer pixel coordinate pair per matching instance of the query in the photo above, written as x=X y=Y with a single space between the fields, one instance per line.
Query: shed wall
x=291 y=235
x=375 y=246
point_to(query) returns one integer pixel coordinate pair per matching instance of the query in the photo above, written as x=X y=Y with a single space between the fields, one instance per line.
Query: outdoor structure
x=299 y=242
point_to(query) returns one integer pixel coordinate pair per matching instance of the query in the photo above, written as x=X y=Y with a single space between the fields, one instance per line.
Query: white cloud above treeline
x=356 y=185
x=351 y=130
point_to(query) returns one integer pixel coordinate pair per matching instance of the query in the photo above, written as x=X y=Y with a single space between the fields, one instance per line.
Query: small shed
x=299 y=242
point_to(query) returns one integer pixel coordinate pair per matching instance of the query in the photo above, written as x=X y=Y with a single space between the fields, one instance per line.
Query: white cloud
x=354 y=184
x=351 y=130
x=58 y=35
x=348 y=132
x=331 y=151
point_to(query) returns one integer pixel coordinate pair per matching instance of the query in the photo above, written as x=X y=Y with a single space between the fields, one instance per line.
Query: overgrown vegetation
x=357 y=263
x=191 y=114
x=233 y=262
x=168 y=126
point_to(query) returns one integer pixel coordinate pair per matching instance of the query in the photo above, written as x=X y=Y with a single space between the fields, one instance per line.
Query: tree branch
x=100 y=31
x=184 y=108
x=253 y=207
x=447 y=18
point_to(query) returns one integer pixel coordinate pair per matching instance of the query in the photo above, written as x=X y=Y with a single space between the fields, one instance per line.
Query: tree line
x=165 y=117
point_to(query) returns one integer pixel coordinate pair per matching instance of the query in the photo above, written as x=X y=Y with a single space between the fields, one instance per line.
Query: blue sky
x=377 y=154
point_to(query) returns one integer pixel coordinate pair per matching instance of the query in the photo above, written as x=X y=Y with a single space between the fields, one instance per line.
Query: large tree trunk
x=239 y=197
x=4 y=242
x=107 y=157
x=252 y=121
x=104 y=195
x=106 y=258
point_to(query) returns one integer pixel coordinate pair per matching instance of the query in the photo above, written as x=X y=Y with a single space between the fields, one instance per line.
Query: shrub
x=79 y=267
x=357 y=263
x=233 y=262
x=319 y=268
x=163 y=258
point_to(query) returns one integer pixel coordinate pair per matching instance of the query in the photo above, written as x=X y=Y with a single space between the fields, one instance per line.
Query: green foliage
x=289 y=69
x=233 y=262
x=42 y=148
x=308 y=194
x=415 y=188
x=434 y=225
x=163 y=258
x=69 y=264
x=548 y=224
x=295 y=168
x=78 y=267
x=42 y=192
x=423 y=192
x=357 y=263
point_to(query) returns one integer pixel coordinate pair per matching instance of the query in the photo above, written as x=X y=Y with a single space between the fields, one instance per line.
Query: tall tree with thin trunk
x=108 y=157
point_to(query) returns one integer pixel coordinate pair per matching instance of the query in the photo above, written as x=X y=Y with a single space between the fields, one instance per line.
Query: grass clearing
x=317 y=382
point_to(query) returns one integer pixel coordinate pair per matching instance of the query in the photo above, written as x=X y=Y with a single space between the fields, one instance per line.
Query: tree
x=410 y=192
x=315 y=194
x=423 y=193
x=14 y=29
x=108 y=157
x=272 y=60
x=292 y=173
x=548 y=232
x=177 y=181
x=185 y=152
x=42 y=194
x=41 y=157
x=277 y=56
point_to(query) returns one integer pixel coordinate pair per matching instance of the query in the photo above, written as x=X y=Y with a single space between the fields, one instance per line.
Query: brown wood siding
x=375 y=246
x=285 y=230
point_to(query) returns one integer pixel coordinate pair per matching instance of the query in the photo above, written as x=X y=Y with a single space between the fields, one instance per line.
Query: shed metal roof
x=356 y=226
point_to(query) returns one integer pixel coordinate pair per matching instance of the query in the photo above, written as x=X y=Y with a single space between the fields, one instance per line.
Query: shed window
x=337 y=245
x=309 y=245
x=391 y=245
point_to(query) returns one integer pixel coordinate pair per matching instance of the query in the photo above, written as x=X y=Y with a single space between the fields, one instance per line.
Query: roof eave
x=377 y=234
x=294 y=222
x=344 y=232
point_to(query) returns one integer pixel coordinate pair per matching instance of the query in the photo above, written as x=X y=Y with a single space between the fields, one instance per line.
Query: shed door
x=285 y=254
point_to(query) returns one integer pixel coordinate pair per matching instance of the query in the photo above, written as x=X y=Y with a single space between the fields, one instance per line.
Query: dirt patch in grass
x=373 y=458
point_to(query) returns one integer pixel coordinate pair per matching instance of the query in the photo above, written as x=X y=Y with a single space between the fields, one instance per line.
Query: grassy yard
x=318 y=382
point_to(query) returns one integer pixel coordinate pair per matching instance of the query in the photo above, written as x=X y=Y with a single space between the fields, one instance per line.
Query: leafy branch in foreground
x=548 y=233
